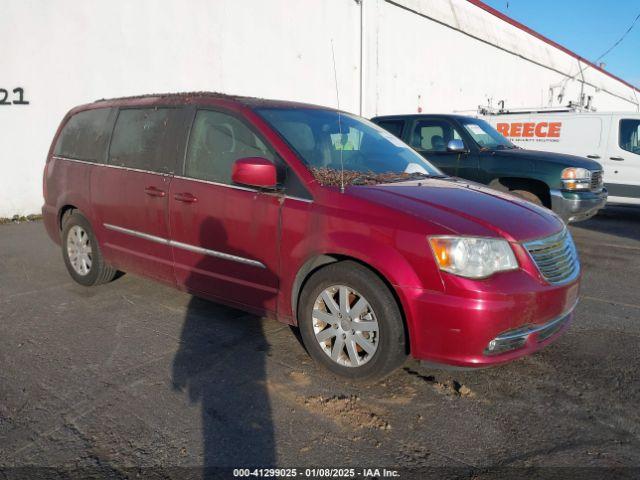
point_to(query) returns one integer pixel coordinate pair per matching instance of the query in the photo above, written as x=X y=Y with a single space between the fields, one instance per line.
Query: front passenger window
x=433 y=135
x=217 y=140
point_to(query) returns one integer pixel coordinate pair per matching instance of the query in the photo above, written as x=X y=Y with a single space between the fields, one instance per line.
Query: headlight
x=473 y=257
x=576 y=178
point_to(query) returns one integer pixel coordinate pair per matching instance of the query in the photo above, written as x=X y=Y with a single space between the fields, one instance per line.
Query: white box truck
x=610 y=138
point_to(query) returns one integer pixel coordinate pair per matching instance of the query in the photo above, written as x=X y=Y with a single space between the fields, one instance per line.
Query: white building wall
x=69 y=52
x=449 y=55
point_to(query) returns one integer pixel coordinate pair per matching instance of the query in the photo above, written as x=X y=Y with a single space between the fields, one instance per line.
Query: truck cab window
x=630 y=136
x=394 y=127
x=433 y=135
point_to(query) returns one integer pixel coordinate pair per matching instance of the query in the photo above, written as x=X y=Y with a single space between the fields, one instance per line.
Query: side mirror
x=456 y=146
x=254 y=172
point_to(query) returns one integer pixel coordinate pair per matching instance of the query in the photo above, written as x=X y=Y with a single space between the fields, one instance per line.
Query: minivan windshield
x=487 y=137
x=336 y=146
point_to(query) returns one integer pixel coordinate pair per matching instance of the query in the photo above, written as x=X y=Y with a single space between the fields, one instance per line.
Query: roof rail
x=571 y=107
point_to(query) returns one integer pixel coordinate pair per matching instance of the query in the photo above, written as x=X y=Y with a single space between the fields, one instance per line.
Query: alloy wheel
x=345 y=326
x=79 y=250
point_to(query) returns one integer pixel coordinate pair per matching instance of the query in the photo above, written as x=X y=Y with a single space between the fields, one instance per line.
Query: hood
x=561 y=159
x=464 y=208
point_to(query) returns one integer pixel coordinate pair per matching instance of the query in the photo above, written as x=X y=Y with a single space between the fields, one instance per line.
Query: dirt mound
x=347 y=411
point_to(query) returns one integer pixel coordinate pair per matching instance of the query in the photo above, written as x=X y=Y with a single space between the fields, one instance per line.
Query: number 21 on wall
x=18 y=99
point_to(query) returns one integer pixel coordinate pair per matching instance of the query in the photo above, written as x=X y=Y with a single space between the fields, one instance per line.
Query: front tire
x=350 y=322
x=529 y=196
x=81 y=252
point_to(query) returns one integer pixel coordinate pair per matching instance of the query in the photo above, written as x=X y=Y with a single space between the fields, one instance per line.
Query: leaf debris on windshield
x=331 y=177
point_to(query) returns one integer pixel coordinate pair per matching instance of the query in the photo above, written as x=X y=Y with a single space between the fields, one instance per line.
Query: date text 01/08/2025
x=316 y=472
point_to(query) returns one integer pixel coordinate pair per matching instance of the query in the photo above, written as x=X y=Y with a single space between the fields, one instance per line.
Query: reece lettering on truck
x=530 y=129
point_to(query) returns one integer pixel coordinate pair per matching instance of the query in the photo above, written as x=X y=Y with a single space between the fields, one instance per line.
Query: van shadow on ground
x=220 y=364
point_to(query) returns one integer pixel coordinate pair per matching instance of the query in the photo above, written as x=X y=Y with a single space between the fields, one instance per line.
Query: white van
x=613 y=139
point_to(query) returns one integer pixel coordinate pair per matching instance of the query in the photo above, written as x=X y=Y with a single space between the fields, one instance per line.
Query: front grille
x=596 y=180
x=556 y=257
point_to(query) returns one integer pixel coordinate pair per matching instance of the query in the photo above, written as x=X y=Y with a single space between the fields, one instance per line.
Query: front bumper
x=577 y=206
x=456 y=328
x=520 y=337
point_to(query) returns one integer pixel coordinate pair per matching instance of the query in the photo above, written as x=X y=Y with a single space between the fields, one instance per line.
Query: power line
x=581 y=70
x=619 y=40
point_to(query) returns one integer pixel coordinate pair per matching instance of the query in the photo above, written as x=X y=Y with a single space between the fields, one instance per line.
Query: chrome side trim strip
x=217 y=184
x=135 y=233
x=186 y=246
x=215 y=253
x=118 y=167
x=299 y=199
x=57 y=157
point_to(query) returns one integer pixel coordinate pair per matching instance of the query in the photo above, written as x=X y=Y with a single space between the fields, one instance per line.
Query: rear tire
x=350 y=322
x=529 y=196
x=81 y=252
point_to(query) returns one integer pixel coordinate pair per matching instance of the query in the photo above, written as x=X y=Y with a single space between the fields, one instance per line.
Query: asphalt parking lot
x=134 y=376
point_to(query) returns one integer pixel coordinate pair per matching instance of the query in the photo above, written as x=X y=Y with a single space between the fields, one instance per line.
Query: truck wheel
x=532 y=197
x=350 y=322
x=81 y=252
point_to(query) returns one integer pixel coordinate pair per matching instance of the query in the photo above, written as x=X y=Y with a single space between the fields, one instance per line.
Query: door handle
x=595 y=157
x=154 y=192
x=185 y=197
x=617 y=159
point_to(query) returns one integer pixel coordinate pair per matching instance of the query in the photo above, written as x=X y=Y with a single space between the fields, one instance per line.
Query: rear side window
x=392 y=126
x=630 y=136
x=216 y=141
x=140 y=136
x=84 y=136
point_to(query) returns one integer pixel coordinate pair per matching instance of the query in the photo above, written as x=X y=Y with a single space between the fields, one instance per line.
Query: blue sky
x=588 y=27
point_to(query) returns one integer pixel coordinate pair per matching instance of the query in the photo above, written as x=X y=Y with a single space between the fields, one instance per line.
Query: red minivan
x=312 y=216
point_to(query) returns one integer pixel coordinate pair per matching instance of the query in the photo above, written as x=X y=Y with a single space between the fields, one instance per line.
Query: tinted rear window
x=140 y=137
x=84 y=136
x=392 y=126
